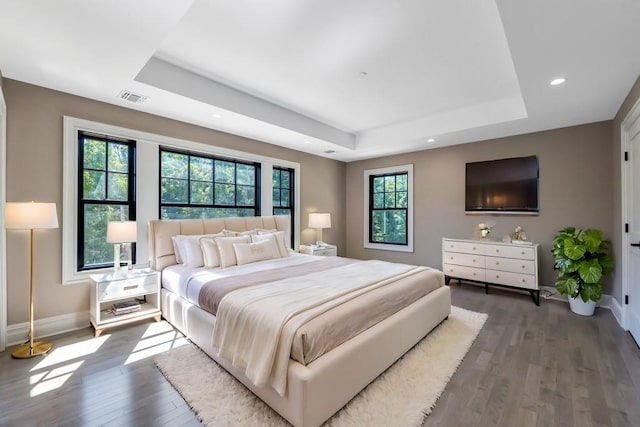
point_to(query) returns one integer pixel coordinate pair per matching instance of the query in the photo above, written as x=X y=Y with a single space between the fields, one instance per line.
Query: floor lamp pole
x=31 y=348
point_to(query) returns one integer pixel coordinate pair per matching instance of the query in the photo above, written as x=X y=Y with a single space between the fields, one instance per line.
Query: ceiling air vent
x=132 y=97
x=329 y=151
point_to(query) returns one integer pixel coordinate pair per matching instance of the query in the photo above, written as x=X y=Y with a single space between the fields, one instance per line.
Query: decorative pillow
x=189 y=248
x=231 y=233
x=253 y=252
x=210 y=252
x=225 y=248
x=279 y=236
x=176 y=249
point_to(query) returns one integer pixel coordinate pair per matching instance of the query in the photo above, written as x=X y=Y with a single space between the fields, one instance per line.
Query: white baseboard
x=17 y=334
x=607 y=301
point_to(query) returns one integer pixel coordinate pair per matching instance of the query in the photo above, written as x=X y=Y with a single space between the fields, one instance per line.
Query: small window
x=389 y=208
x=200 y=186
x=282 y=188
x=106 y=192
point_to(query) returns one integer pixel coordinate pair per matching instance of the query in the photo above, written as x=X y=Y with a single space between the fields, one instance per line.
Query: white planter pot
x=582 y=308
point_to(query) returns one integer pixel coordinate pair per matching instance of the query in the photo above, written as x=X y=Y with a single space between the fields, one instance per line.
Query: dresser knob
x=522 y=252
x=451 y=246
x=474 y=274
x=497 y=250
x=523 y=266
x=451 y=270
x=474 y=248
x=497 y=276
x=497 y=263
x=473 y=260
x=523 y=280
x=451 y=257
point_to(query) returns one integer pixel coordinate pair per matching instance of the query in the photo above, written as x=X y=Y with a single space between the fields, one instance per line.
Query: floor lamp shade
x=30 y=216
x=320 y=221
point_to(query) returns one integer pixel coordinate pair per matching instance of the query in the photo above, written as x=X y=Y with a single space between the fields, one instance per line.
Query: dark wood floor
x=529 y=366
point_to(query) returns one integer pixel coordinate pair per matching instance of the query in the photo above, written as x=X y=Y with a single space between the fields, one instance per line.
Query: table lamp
x=319 y=221
x=121 y=233
x=30 y=216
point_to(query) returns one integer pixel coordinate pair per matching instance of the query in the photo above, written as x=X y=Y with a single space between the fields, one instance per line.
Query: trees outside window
x=200 y=186
x=106 y=192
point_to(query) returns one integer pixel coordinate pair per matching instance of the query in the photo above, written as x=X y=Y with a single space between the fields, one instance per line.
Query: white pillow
x=176 y=249
x=210 y=252
x=231 y=233
x=189 y=248
x=225 y=248
x=279 y=236
x=253 y=252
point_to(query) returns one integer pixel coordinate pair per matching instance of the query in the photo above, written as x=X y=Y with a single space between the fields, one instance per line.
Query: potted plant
x=581 y=257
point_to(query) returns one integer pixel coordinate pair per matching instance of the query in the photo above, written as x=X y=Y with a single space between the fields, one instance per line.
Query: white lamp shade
x=30 y=215
x=122 y=231
x=319 y=220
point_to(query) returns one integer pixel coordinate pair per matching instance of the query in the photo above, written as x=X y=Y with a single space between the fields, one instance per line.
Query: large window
x=389 y=208
x=200 y=186
x=106 y=192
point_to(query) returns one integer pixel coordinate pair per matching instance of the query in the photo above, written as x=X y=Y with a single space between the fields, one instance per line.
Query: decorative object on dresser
x=492 y=263
x=320 y=221
x=31 y=216
x=112 y=298
x=121 y=234
x=325 y=250
x=581 y=258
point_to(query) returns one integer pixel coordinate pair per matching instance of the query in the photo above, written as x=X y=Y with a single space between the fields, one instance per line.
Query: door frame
x=634 y=114
x=3 y=242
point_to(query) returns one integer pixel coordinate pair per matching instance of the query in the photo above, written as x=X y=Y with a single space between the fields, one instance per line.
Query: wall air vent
x=329 y=151
x=132 y=97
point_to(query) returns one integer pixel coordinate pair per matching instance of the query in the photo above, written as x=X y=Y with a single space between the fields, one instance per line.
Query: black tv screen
x=503 y=186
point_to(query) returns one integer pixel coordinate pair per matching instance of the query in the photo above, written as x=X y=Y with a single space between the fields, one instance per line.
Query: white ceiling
x=364 y=78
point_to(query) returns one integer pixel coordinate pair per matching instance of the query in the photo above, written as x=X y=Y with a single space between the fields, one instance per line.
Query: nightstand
x=139 y=285
x=326 y=250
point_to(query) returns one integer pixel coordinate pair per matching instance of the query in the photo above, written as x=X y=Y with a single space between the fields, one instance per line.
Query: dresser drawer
x=511 y=264
x=464 y=259
x=463 y=272
x=526 y=281
x=128 y=287
x=510 y=252
x=463 y=247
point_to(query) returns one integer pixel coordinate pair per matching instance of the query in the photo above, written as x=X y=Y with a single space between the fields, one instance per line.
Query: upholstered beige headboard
x=161 y=252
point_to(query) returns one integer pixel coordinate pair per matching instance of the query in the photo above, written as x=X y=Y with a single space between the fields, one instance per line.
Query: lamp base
x=23 y=351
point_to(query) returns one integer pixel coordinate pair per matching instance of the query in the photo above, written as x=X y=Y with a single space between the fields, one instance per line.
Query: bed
x=317 y=384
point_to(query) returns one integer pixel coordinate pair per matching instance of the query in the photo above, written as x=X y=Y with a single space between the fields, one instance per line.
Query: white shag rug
x=402 y=396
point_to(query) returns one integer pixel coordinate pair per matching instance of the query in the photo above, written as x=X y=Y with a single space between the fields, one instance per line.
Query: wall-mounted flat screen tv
x=502 y=186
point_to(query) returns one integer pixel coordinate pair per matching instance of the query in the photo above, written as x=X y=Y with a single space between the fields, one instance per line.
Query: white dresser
x=492 y=263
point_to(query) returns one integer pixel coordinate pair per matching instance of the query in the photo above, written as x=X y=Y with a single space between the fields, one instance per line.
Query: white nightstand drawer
x=510 y=264
x=464 y=259
x=464 y=247
x=463 y=272
x=327 y=250
x=128 y=287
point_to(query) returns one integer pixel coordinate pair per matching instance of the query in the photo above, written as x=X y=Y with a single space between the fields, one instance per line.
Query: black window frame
x=130 y=203
x=256 y=208
x=372 y=209
x=290 y=190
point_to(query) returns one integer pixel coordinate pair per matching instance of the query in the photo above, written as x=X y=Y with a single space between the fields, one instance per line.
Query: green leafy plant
x=582 y=258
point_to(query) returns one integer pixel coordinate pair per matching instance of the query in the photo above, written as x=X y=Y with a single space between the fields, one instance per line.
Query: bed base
x=317 y=391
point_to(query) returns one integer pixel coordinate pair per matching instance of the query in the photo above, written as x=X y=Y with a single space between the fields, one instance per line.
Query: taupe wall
x=629 y=102
x=34 y=172
x=574 y=189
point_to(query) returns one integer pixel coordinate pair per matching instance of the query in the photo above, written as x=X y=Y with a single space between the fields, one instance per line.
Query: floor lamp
x=30 y=216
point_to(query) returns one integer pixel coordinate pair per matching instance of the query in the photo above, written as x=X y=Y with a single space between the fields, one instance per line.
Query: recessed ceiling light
x=558 y=81
x=363 y=74
x=307 y=142
x=216 y=116
x=431 y=140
